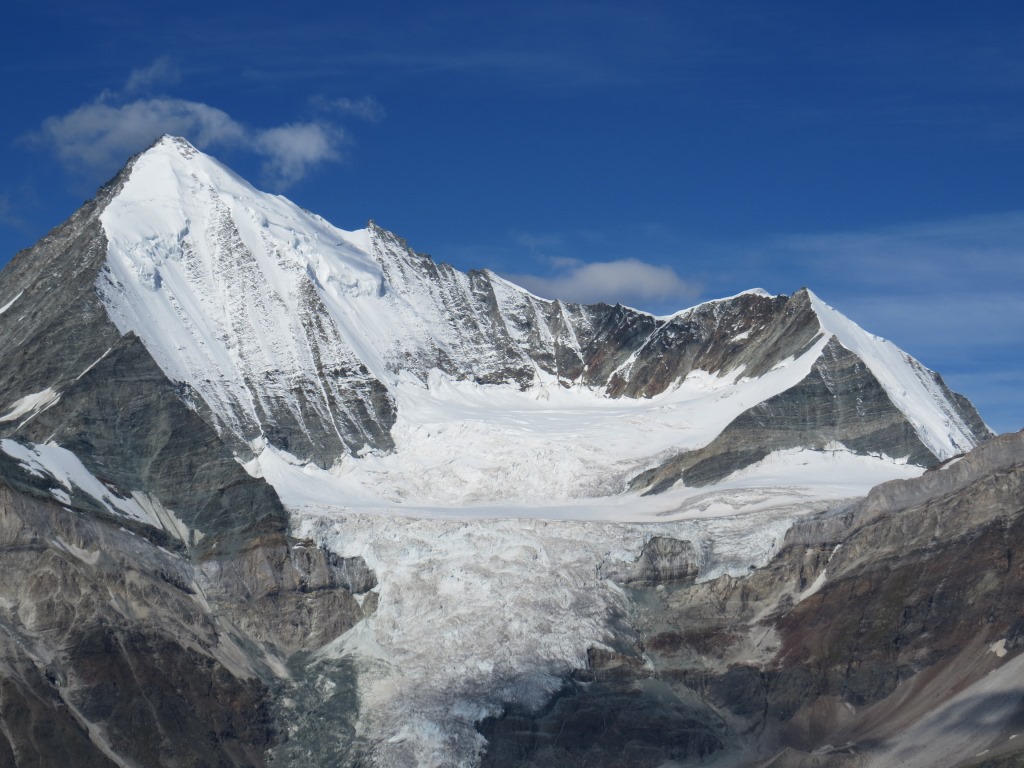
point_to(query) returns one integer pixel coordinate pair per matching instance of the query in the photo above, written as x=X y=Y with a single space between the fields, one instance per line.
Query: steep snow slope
x=223 y=284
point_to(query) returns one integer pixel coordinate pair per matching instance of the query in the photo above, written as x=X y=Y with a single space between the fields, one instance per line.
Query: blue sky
x=658 y=155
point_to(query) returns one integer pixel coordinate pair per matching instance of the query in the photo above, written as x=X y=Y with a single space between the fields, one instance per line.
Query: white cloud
x=292 y=150
x=625 y=281
x=98 y=138
x=160 y=72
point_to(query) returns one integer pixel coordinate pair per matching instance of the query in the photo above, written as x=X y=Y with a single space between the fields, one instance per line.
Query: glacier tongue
x=473 y=616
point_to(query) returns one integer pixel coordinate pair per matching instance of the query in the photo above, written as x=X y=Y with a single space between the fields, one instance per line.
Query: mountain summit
x=272 y=492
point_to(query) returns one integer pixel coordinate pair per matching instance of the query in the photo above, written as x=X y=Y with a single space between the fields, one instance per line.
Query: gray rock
x=663 y=560
x=115 y=649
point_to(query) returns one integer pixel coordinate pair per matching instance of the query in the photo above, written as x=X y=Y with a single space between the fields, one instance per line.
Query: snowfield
x=469 y=450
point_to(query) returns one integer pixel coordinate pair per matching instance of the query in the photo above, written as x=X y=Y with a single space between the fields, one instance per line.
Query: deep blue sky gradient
x=871 y=151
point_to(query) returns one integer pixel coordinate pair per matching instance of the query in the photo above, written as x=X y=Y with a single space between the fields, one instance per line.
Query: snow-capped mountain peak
x=294 y=336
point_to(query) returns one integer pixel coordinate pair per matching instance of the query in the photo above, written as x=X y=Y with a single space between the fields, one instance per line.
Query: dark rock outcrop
x=662 y=561
x=605 y=724
x=115 y=649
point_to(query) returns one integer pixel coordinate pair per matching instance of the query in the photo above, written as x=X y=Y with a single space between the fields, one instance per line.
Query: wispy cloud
x=366 y=108
x=98 y=137
x=962 y=253
x=934 y=283
x=292 y=150
x=625 y=281
x=161 y=72
x=7 y=215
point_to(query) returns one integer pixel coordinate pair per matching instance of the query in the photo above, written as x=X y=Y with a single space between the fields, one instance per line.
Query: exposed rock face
x=608 y=724
x=116 y=649
x=662 y=561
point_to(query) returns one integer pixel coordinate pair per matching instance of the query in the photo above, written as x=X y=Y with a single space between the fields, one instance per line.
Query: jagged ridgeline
x=201 y=381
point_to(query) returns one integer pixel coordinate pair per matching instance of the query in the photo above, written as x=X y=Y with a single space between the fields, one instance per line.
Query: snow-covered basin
x=463 y=449
x=487 y=528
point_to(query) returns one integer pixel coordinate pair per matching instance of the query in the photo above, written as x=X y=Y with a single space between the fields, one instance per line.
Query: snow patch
x=10 y=303
x=93 y=364
x=31 y=404
x=90 y=556
x=835 y=467
x=816 y=585
x=49 y=460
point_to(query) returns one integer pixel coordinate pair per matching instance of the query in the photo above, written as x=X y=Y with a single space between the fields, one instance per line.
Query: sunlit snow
x=31 y=404
x=463 y=450
x=911 y=387
x=10 y=303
